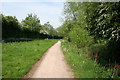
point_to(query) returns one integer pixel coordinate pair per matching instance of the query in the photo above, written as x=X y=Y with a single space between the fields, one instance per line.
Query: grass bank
x=83 y=67
x=19 y=57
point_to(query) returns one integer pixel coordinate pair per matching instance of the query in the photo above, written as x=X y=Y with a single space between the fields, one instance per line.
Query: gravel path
x=53 y=64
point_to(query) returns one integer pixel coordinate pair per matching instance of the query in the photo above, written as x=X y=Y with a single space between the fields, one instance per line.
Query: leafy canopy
x=31 y=22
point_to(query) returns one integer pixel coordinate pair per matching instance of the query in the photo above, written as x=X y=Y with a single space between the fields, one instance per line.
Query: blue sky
x=46 y=11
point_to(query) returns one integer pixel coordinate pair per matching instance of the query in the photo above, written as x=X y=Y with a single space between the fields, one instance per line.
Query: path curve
x=53 y=64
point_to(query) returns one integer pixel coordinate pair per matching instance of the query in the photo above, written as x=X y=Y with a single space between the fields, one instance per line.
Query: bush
x=83 y=67
x=80 y=37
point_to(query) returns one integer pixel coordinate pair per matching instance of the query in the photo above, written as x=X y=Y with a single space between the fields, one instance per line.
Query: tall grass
x=0 y=61
x=83 y=67
x=19 y=57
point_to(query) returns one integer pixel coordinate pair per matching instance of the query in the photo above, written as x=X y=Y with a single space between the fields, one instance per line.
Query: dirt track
x=53 y=64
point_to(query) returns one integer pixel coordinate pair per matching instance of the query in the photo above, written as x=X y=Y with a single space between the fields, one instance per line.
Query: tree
x=96 y=18
x=32 y=22
x=99 y=19
x=10 y=27
x=60 y=31
x=47 y=28
x=103 y=20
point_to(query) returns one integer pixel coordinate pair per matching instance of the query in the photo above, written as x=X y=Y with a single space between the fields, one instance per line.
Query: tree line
x=30 y=28
x=94 y=25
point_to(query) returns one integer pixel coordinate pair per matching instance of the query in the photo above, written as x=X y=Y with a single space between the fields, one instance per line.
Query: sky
x=51 y=11
x=46 y=10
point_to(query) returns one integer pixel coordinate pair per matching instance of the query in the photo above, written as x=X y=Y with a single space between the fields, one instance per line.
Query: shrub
x=80 y=37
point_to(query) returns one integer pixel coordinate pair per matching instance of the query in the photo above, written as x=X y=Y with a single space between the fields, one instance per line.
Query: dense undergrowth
x=84 y=66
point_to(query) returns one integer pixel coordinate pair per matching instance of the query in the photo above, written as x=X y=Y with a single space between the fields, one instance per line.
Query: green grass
x=81 y=66
x=19 y=57
x=0 y=61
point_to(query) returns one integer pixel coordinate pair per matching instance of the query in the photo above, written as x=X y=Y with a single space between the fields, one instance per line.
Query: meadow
x=19 y=57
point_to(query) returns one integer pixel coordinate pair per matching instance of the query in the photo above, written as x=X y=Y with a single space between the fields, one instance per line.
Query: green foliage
x=32 y=22
x=82 y=67
x=64 y=29
x=99 y=20
x=111 y=53
x=10 y=27
x=103 y=20
x=19 y=57
x=47 y=28
x=80 y=37
x=95 y=17
x=60 y=31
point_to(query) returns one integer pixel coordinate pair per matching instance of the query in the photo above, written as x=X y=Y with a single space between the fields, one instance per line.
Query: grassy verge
x=81 y=66
x=0 y=61
x=19 y=57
